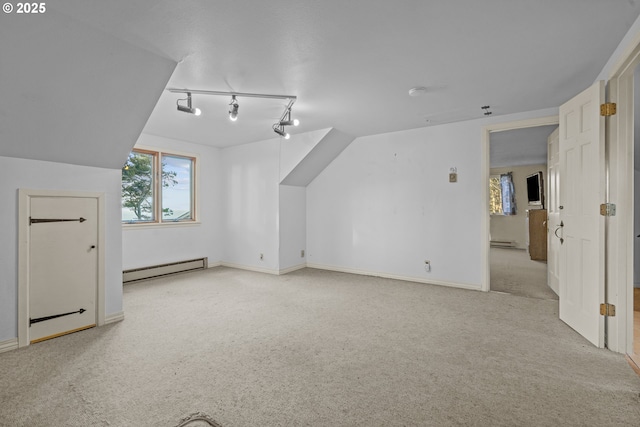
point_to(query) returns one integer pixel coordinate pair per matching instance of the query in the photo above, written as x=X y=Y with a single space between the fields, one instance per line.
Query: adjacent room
x=318 y=213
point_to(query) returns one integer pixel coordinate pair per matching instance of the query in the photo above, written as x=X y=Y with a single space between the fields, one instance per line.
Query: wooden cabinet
x=538 y=234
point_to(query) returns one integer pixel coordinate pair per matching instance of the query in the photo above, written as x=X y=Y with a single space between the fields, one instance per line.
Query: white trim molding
x=620 y=236
x=485 y=172
x=8 y=345
x=260 y=269
x=249 y=268
x=291 y=269
x=114 y=317
x=394 y=276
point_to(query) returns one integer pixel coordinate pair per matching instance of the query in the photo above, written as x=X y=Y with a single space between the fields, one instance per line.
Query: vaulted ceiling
x=350 y=63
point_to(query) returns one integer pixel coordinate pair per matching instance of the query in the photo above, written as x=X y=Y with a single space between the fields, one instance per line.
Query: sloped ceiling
x=520 y=147
x=318 y=157
x=352 y=63
x=72 y=93
x=79 y=82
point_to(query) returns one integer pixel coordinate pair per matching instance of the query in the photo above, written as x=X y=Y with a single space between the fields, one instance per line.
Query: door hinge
x=607 y=310
x=608 y=209
x=608 y=109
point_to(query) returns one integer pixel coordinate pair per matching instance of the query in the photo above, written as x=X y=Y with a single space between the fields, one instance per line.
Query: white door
x=582 y=179
x=553 y=213
x=63 y=265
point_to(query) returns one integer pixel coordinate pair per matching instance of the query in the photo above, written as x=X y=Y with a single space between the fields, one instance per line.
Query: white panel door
x=63 y=265
x=553 y=212
x=582 y=180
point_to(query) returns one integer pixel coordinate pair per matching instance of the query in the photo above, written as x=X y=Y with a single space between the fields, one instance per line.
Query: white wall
x=386 y=204
x=250 y=200
x=40 y=175
x=636 y=229
x=152 y=245
x=293 y=226
x=513 y=228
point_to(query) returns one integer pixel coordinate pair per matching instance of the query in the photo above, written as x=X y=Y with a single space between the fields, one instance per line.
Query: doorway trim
x=24 y=197
x=485 y=172
x=620 y=148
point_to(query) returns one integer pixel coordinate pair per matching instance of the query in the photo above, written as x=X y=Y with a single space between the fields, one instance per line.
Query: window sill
x=167 y=224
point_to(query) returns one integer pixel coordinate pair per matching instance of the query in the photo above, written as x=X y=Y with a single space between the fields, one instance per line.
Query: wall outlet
x=302 y=253
x=427 y=266
x=261 y=257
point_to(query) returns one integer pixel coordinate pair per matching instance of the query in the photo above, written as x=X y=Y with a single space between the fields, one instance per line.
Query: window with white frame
x=158 y=187
x=502 y=198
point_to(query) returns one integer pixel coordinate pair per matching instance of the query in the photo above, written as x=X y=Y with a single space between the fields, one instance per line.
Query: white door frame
x=486 y=169
x=24 y=196
x=620 y=177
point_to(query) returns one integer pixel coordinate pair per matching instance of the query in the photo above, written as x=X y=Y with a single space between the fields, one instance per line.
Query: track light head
x=294 y=122
x=280 y=131
x=233 y=112
x=286 y=119
x=185 y=109
x=188 y=108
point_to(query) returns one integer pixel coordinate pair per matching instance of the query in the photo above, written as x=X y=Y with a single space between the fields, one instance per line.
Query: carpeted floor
x=315 y=348
x=513 y=272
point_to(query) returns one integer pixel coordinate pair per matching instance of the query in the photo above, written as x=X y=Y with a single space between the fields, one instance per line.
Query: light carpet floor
x=512 y=271
x=316 y=348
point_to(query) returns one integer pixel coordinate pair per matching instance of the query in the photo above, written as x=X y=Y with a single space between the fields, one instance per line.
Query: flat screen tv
x=535 y=189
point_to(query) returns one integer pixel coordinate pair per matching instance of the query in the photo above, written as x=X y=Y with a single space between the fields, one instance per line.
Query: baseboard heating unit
x=502 y=244
x=145 y=273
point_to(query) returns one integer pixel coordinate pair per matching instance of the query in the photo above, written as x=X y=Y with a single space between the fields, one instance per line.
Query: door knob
x=556 y=232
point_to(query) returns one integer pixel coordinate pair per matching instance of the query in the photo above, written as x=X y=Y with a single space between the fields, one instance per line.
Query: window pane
x=137 y=188
x=177 y=188
x=495 y=195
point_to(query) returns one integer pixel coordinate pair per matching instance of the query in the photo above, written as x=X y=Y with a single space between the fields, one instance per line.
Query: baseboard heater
x=145 y=273
x=502 y=244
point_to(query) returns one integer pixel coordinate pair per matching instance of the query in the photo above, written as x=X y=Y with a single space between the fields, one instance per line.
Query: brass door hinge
x=608 y=209
x=608 y=109
x=607 y=310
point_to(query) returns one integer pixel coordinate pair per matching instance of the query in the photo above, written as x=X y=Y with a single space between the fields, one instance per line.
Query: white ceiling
x=520 y=147
x=351 y=63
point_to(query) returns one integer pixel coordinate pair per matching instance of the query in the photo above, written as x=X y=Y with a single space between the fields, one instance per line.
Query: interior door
x=582 y=178
x=553 y=213
x=63 y=265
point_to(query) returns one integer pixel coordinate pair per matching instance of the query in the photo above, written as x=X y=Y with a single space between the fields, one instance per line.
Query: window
x=502 y=197
x=158 y=187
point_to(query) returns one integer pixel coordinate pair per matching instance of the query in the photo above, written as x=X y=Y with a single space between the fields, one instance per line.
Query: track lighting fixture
x=233 y=112
x=188 y=108
x=285 y=119
x=280 y=131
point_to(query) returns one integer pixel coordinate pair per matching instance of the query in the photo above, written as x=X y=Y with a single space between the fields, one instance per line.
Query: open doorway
x=518 y=223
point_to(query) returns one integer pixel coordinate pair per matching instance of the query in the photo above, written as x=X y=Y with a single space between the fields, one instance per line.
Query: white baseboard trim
x=294 y=268
x=8 y=345
x=214 y=264
x=395 y=277
x=249 y=268
x=113 y=318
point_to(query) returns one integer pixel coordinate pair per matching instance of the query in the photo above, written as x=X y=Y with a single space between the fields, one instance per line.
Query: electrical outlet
x=427 y=266
x=302 y=253
x=261 y=257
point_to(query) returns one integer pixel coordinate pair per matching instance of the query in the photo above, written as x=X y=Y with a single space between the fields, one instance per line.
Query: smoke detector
x=417 y=91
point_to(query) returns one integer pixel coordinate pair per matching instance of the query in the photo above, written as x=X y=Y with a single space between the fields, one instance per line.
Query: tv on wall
x=535 y=189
